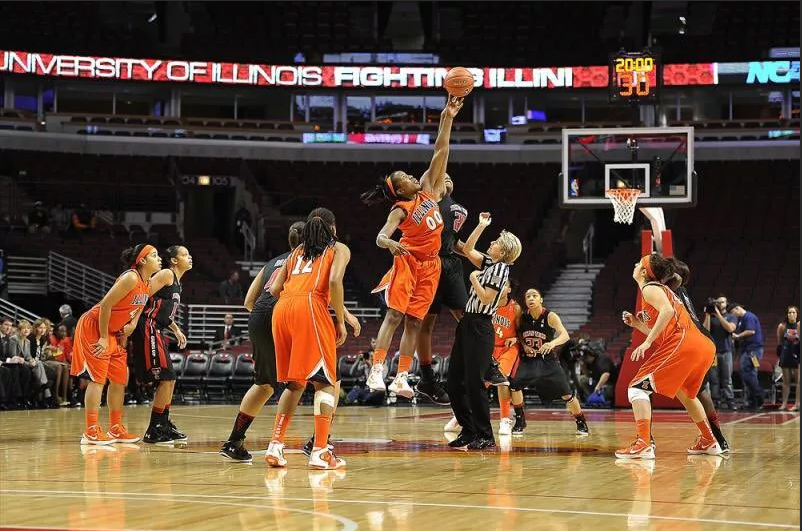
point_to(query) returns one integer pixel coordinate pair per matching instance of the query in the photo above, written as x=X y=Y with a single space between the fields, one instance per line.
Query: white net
x=624 y=201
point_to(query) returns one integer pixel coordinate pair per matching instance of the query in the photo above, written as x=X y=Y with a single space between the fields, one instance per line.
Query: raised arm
x=253 y=291
x=433 y=179
x=469 y=249
x=384 y=240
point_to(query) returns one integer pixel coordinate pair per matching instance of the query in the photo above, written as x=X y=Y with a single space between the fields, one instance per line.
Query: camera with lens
x=710 y=306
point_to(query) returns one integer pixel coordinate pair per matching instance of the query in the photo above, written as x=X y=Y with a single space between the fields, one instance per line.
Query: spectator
x=58 y=371
x=230 y=289
x=83 y=220
x=228 y=333
x=38 y=219
x=67 y=319
x=721 y=325
x=788 y=352
x=59 y=219
x=21 y=348
x=601 y=375
x=750 y=338
x=360 y=394
x=19 y=391
x=242 y=216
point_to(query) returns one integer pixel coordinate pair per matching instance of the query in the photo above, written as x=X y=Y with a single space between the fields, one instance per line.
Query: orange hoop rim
x=623 y=194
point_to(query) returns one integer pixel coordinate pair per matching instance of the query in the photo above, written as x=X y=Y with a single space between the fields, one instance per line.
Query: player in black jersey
x=542 y=334
x=451 y=293
x=149 y=345
x=260 y=303
x=677 y=282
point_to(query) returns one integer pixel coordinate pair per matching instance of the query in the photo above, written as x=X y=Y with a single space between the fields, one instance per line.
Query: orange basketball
x=459 y=82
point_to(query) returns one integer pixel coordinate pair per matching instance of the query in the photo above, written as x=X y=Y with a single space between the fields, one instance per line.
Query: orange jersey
x=421 y=229
x=504 y=323
x=681 y=322
x=308 y=276
x=126 y=309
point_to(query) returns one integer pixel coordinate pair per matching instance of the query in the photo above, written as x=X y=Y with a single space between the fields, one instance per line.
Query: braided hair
x=318 y=232
x=383 y=191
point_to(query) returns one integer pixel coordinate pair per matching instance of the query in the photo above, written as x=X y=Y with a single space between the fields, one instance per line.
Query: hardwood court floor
x=400 y=476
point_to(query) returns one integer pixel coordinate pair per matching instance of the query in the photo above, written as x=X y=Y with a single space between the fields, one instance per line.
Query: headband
x=389 y=182
x=143 y=253
x=645 y=263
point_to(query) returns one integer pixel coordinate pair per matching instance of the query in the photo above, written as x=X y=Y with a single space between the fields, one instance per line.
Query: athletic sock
x=519 y=410
x=280 y=426
x=404 y=363
x=704 y=429
x=504 y=406
x=644 y=428
x=322 y=427
x=156 y=416
x=379 y=355
x=427 y=373
x=241 y=425
x=115 y=417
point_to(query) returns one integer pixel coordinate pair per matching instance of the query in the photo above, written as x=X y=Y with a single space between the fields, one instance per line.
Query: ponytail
x=318 y=232
x=384 y=191
x=295 y=234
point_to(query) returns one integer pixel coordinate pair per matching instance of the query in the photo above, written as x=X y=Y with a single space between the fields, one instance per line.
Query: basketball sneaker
x=275 y=455
x=481 y=443
x=173 y=432
x=462 y=442
x=434 y=391
x=121 y=435
x=495 y=376
x=310 y=444
x=376 y=378
x=324 y=459
x=705 y=446
x=505 y=427
x=582 y=426
x=235 y=450
x=401 y=387
x=452 y=426
x=520 y=425
x=94 y=435
x=639 y=449
x=157 y=434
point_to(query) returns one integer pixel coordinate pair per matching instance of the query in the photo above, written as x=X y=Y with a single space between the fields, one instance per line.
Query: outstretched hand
x=453 y=106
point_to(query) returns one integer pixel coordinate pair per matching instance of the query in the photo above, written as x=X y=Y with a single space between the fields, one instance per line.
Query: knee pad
x=322 y=397
x=635 y=393
x=566 y=400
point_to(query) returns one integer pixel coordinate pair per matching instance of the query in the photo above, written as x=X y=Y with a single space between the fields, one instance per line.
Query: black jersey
x=163 y=306
x=266 y=300
x=535 y=332
x=454 y=216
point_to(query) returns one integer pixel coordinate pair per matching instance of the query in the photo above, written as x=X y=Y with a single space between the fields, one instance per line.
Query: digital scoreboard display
x=634 y=77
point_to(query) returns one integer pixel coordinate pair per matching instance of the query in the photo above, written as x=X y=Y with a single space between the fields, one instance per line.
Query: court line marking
x=347 y=523
x=156 y=496
x=789 y=421
x=750 y=417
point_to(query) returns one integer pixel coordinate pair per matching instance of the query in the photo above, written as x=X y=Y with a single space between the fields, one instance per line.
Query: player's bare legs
x=706 y=443
x=706 y=399
x=572 y=403
x=409 y=341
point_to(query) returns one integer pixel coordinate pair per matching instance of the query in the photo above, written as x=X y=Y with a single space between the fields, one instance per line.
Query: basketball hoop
x=624 y=201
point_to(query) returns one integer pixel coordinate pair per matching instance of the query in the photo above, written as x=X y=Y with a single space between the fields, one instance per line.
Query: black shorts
x=260 y=332
x=545 y=376
x=451 y=291
x=789 y=358
x=151 y=360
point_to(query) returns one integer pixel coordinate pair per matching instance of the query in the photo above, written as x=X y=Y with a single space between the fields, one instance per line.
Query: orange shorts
x=506 y=357
x=680 y=363
x=410 y=285
x=114 y=367
x=305 y=339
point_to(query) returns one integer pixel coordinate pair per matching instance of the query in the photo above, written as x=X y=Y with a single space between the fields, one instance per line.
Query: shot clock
x=634 y=77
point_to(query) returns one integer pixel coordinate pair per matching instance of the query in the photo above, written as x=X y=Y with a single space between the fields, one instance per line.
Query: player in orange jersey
x=304 y=336
x=411 y=284
x=680 y=357
x=99 y=340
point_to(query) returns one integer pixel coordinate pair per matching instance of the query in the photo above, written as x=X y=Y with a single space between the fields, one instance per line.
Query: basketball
x=459 y=82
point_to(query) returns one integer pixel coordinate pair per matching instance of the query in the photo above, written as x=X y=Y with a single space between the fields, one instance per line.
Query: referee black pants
x=470 y=359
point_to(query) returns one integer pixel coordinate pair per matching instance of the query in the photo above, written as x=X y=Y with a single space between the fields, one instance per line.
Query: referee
x=474 y=340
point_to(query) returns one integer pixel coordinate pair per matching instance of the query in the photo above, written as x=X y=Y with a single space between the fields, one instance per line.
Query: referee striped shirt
x=494 y=275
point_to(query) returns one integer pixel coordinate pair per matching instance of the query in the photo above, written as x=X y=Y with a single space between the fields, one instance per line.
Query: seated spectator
x=59 y=370
x=20 y=345
x=38 y=219
x=67 y=319
x=600 y=377
x=360 y=394
x=230 y=290
x=83 y=219
x=19 y=391
x=228 y=333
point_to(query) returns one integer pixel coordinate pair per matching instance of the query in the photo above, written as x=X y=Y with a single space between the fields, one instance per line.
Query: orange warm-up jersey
x=303 y=332
x=680 y=355
x=126 y=309
x=421 y=229
x=504 y=329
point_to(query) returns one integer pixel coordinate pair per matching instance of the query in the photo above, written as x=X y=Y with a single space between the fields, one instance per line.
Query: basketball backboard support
x=658 y=161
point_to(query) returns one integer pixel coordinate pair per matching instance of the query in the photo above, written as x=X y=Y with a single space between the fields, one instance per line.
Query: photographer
x=601 y=374
x=749 y=335
x=360 y=394
x=721 y=325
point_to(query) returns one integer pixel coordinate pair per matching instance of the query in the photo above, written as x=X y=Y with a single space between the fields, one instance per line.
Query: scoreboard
x=635 y=77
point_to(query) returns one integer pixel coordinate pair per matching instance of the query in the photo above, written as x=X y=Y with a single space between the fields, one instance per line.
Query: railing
x=9 y=309
x=76 y=279
x=249 y=241
x=27 y=275
x=587 y=245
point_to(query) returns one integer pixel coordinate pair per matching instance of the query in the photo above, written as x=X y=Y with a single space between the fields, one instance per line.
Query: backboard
x=658 y=161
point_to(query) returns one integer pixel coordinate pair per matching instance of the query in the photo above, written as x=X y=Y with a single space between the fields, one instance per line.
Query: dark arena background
x=214 y=126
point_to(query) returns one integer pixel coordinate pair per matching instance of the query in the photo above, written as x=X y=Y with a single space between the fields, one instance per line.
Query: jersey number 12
x=307 y=267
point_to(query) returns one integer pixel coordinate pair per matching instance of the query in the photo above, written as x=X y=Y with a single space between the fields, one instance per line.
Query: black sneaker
x=174 y=433
x=722 y=442
x=582 y=426
x=482 y=443
x=235 y=450
x=157 y=434
x=434 y=391
x=520 y=425
x=494 y=375
x=462 y=441
x=307 y=449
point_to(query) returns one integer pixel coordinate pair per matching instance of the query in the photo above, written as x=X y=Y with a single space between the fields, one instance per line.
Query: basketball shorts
x=506 y=358
x=260 y=332
x=113 y=366
x=544 y=375
x=681 y=362
x=305 y=339
x=151 y=360
x=410 y=285
x=451 y=290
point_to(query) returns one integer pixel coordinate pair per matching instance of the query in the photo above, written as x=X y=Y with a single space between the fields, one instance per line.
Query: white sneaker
x=324 y=459
x=452 y=426
x=505 y=427
x=376 y=378
x=401 y=387
x=275 y=455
